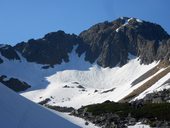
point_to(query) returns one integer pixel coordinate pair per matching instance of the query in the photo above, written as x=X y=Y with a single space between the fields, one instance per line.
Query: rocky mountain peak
x=52 y=49
x=107 y=43
x=110 y=42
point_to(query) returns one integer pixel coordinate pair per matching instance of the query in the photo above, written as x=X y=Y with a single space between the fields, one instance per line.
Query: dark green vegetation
x=149 y=110
x=121 y=115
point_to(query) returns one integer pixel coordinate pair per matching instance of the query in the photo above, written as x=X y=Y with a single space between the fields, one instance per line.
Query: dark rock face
x=163 y=52
x=107 y=43
x=1 y=61
x=110 y=42
x=60 y=109
x=52 y=49
x=45 y=101
x=104 y=43
x=158 y=97
x=14 y=84
x=9 y=52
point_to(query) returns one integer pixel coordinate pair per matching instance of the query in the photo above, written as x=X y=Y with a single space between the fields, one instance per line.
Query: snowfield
x=139 y=125
x=156 y=87
x=19 y=112
x=77 y=82
x=76 y=120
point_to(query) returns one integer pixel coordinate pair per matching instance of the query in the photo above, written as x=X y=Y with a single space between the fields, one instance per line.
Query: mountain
x=14 y=83
x=106 y=43
x=18 y=112
x=110 y=42
x=119 y=61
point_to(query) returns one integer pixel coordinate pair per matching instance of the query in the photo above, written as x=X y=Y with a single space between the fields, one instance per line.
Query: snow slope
x=76 y=120
x=127 y=22
x=77 y=82
x=18 y=112
x=156 y=87
x=139 y=125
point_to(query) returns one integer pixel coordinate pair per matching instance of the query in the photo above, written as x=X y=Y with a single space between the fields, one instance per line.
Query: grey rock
x=110 y=48
x=9 y=52
x=14 y=84
x=52 y=49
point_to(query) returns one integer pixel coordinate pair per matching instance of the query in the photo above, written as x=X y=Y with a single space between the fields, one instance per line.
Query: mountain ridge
x=109 y=57
x=107 y=43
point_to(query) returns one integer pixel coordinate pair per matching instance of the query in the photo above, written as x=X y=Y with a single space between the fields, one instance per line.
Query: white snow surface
x=139 y=20
x=18 y=112
x=76 y=120
x=156 y=87
x=126 y=23
x=60 y=83
x=139 y=125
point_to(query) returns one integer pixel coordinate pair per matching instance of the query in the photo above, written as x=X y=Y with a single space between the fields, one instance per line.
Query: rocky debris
x=60 y=109
x=137 y=104
x=107 y=120
x=95 y=91
x=51 y=97
x=45 y=101
x=110 y=90
x=86 y=123
x=80 y=86
x=83 y=90
x=65 y=99
x=159 y=124
x=158 y=97
x=66 y=86
x=117 y=115
x=75 y=82
x=77 y=86
x=14 y=83
x=9 y=52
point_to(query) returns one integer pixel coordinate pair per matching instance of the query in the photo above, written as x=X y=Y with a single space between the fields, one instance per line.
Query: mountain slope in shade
x=18 y=112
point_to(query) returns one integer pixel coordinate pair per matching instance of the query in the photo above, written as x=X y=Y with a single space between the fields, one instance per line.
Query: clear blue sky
x=21 y=20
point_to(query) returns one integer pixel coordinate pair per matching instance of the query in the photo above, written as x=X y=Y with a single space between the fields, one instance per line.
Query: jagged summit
x=107 y=43
x=110 y=42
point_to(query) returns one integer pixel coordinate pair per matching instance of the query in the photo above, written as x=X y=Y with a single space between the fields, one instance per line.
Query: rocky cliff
x=107 y=43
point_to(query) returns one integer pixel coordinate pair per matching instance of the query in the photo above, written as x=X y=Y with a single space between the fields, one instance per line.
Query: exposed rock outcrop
x=107 y=43
x=52 y=49
x=110 y=42
x=8 y=52
x=14 y=83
